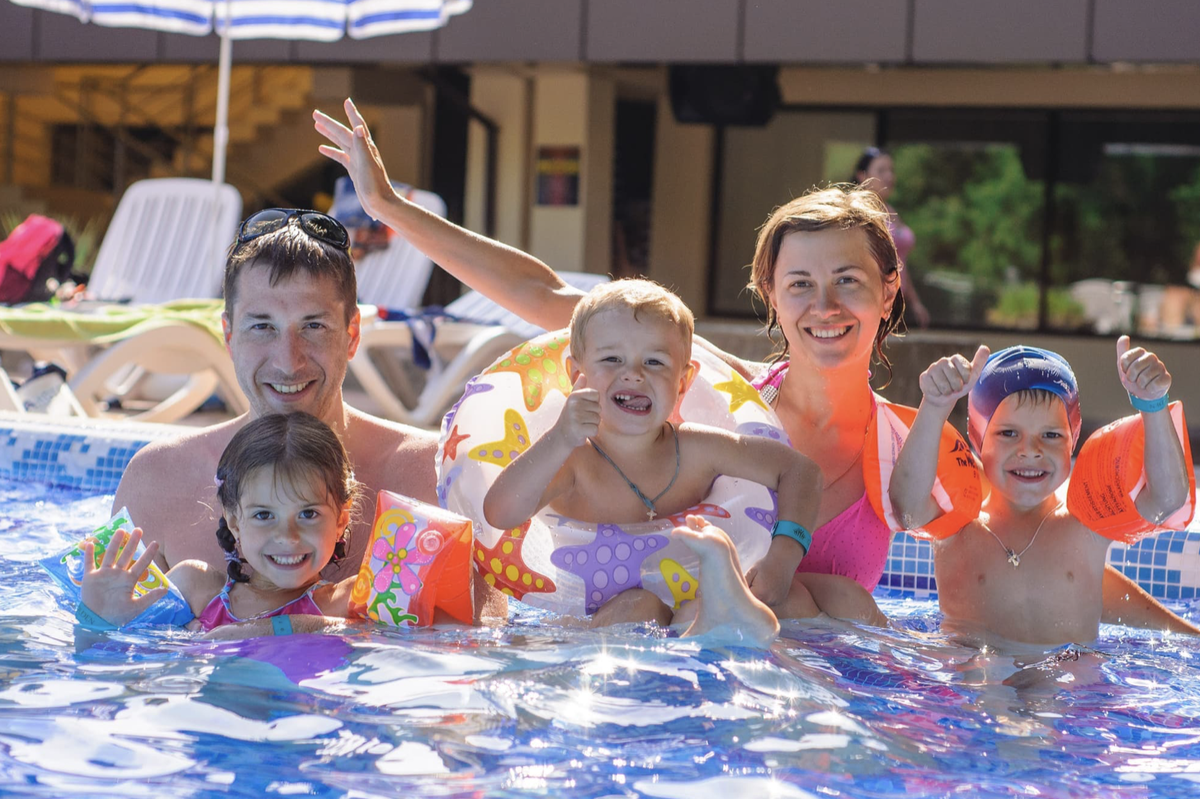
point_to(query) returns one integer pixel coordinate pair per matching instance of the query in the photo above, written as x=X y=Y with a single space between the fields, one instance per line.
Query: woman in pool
x=876 y=171
x=287 y=491
x=828 y=271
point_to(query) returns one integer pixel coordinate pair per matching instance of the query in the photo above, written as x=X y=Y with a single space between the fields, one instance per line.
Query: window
x=1079 y=221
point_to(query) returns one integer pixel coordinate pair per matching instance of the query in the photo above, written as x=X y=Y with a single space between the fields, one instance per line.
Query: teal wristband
x=90 y=620
x=793 y=531
x=281 y=625
x=1149 y=406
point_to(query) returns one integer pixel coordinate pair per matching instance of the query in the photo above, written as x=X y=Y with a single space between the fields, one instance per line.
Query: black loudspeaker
x=737 y=94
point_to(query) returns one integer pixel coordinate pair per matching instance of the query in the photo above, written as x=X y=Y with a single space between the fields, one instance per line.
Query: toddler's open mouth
x=633 y=403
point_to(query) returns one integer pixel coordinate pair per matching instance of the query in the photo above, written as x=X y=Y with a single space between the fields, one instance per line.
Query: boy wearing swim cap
x=614 y=456
x=1027 y=570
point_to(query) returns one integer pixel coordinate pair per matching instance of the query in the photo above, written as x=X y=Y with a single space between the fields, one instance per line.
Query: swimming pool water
x=531 y=710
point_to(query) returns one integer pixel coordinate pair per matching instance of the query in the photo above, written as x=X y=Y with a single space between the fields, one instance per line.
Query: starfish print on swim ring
x=740 y=392
x=516 y=441
x=610 y=563
x=443 y=487
x=682 y=584
x=474 y=386
x=503 y=567
x=541 y=366
x=450 y=450
x=761 y=429
x=763 y=516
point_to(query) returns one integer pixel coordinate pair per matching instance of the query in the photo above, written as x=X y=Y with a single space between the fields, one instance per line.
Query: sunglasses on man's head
x=316 y=224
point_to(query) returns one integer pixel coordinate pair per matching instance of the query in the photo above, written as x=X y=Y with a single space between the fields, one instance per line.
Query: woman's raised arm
x=506 y=275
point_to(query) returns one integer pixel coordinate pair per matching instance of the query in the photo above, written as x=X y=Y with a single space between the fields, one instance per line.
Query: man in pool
x=291 y=325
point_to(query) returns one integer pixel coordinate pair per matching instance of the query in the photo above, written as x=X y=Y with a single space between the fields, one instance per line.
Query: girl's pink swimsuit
x=218 y=614
x=854 y=543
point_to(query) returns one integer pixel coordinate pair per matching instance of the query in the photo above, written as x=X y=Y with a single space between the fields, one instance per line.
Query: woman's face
x=879 y=176
x=830 y=297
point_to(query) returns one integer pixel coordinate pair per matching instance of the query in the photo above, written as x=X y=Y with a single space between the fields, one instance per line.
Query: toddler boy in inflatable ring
x=614 y=456
x=1030 y=567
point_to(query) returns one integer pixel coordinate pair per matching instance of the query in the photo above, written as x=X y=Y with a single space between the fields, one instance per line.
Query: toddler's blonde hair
x=640 y=296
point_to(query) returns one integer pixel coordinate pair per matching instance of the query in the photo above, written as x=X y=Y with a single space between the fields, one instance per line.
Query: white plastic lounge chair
x=52 y=397
x=9 y=401
x=396 y=277
x=167 y=241
x=472 y=333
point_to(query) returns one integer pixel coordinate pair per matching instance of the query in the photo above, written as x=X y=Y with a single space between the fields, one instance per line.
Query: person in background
x=876 y=171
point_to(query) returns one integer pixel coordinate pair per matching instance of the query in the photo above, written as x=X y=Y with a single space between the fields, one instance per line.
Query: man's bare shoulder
x=202 y=444
x=169 y=491
x=392 y=456
x=168 y=461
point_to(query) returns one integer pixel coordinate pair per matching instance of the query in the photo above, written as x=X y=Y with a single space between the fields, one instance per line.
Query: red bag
x=35 y=258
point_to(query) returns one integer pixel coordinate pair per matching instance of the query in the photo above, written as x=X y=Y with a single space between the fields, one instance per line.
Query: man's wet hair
x=287 y=253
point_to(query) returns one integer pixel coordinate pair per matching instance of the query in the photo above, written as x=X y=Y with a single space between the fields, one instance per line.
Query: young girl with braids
x=285 y=486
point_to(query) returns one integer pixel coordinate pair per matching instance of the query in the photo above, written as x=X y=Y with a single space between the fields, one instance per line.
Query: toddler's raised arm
x=942 y=385
x=537 y=476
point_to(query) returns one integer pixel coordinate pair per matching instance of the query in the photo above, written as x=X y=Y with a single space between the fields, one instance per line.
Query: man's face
x=290 y=343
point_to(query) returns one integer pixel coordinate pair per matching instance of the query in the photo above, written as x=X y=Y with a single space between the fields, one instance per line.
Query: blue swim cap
x=1021 y=369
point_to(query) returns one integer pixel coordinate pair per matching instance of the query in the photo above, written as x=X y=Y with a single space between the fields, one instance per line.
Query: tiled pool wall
x=91 y=456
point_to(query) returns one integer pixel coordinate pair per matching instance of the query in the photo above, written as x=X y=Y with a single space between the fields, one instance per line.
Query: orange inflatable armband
x=1109 y=474
x=956 y=488
x=418 y=560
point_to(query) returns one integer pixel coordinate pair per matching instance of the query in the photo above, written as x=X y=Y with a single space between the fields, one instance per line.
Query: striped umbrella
x=312 y=20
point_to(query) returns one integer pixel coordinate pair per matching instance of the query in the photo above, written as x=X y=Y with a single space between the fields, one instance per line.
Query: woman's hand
x=949 y=379
x=354 y=149
x=108 y=588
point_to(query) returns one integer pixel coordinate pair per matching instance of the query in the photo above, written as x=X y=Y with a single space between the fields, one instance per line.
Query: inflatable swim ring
x=418 y=560
x=569 y=566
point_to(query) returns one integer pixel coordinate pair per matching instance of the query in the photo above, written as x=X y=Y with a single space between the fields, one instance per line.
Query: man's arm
x=169 y=491
x=1126 y=603
x=142 y=491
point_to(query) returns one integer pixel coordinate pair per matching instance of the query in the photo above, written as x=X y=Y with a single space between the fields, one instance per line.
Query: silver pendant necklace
x=1014 y=557
x=647 y=501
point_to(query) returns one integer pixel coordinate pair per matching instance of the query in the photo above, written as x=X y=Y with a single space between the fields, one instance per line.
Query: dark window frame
x=1051 y=146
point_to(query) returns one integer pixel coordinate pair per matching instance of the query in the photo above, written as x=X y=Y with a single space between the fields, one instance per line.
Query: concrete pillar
x=682 y=201
x=503 y=95
x=575 y=109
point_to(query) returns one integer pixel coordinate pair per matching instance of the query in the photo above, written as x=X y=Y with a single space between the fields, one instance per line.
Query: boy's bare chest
x=1015 y=589
x=628 y=492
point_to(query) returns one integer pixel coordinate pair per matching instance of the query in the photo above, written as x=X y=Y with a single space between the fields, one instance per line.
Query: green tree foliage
x=973 y=210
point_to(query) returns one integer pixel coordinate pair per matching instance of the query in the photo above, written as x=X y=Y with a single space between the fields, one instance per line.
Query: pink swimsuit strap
x=217 y=613
x=854 y=543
